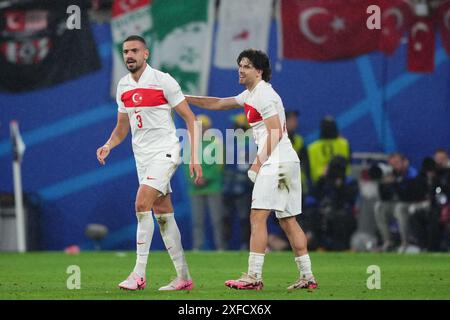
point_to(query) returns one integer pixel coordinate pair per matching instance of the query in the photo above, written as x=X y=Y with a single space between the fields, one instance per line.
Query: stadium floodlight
x=18 y=148
x=96 y=232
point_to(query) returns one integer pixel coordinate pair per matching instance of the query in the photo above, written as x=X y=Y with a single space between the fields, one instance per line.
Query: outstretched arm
x=119 y=133
x=213 y=103
x=194 y=137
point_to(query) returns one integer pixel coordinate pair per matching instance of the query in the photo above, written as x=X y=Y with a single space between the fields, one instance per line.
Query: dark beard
x=135 y=69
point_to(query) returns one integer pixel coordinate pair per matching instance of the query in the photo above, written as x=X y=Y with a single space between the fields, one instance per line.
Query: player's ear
x=260 y=72
x=146 y=54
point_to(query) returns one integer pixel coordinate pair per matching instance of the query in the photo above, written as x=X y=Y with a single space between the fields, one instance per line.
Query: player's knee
x=162 y=208
x=256 y=217
x=284 y=223
x=257 y=222
x=288 y=224
x=142 y=206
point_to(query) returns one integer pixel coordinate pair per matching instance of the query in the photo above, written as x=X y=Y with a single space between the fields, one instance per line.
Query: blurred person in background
x=442 y=160
x=395 y=198
x=329 y=145
x=426 y=208
x=237 y=190
x=206 y=194
x=336 y=195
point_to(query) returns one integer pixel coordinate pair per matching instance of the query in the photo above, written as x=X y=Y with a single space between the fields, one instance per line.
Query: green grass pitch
x=340 y=276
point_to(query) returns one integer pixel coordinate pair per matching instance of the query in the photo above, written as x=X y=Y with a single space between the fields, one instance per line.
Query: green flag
x=128 y=18
x=182 y=35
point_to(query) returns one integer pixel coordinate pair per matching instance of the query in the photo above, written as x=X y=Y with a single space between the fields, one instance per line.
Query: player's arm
x=274 y=135
x=119 y=133
x=213 y=103
x=194 y=137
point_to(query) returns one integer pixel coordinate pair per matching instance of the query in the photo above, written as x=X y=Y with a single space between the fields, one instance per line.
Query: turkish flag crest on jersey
x=252 y=114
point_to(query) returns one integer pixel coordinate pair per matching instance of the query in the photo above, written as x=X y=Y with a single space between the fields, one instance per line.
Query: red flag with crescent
x=443 y=22
x=325 y=29
x=395 y=19
x=421 y=45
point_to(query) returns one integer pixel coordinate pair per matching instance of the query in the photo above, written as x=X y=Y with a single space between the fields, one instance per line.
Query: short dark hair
x=260 y=61
x=328 y=128
x=397 y=154
x=441 y=150
x=292 y=113
x=135 y=38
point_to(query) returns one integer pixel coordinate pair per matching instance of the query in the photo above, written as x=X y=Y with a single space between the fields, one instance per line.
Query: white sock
x=255 y=265
x=144 y=237
x=172 y=239
x=304 y=265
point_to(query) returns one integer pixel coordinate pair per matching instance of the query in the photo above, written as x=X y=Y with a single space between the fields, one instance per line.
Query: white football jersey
x=149 y=104
x=262 y=103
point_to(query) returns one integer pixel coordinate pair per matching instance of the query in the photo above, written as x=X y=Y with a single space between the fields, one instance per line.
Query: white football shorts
x=278 y=187
x=159 y=171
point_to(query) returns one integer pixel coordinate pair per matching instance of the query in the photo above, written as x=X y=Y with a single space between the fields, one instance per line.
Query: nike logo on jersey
x=137 y=111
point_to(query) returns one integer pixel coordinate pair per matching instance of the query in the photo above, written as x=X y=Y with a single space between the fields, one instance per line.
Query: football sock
x=172 y=240
x=144 y=237
x=255 y=265
x=304 y=265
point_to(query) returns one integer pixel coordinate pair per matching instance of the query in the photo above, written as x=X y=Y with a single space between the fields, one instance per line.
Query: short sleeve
x=240 y=99
x=267 y=108
x=172 y=91
x=120 y=105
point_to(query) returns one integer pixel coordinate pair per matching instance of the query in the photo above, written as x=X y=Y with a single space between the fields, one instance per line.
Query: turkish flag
x=443 y=21
x=421 y=45
x=325 y=29
x=395 y=18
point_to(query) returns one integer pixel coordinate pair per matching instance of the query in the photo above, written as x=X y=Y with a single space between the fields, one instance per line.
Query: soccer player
x=145 y=99
x=275 y=170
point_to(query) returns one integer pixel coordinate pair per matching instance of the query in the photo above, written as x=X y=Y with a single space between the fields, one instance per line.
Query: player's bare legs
x=252 y=280
x=258 y=234
x=164 y=214
x=145 y=198
x=295 y=235
x=298 y=242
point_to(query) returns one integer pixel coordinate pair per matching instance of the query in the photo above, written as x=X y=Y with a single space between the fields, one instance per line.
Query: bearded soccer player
x=275 y=170
x=145 y=98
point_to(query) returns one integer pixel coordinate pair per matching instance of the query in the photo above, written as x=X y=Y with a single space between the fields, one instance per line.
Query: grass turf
x=340 y=276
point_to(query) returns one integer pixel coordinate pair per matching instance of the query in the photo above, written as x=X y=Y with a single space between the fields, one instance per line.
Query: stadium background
x=379 y=105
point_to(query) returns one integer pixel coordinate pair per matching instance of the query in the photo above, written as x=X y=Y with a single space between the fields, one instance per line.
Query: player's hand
x=255 y=167
x=201 y=181
x=102 y=153
x=253 y=171
x=196 y=172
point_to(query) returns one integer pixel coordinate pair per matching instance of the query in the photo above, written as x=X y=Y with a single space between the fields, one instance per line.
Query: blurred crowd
x=373 y=202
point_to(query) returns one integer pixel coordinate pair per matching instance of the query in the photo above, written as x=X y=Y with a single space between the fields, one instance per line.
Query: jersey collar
x=144 y=75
